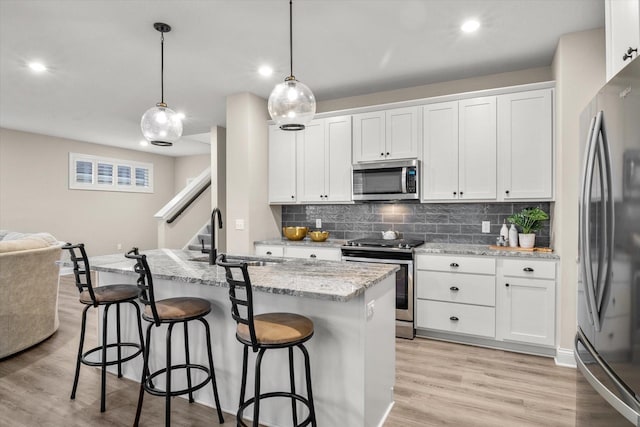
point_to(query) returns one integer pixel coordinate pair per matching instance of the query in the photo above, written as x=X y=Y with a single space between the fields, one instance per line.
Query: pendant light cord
x=162 y=67
x=291 y=37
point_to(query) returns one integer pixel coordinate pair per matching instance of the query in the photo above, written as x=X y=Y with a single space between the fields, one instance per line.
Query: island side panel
x=343 y=377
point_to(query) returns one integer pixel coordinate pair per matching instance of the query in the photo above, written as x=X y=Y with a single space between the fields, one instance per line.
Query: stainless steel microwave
x=392 y=180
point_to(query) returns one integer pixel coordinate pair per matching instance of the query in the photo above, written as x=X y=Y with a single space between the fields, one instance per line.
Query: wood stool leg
x=307 y=371
x=103 y=385
x=186 y=352
x=293 y=388
x=79 y=358
x=207 y=332
x=145 y=372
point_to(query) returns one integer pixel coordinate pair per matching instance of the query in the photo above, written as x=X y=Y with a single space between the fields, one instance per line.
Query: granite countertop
x=327 y=280
x=329 y=243
x=462 y=249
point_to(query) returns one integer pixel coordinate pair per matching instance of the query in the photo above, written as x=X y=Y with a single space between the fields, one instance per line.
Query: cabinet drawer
x=270 y=250
x=329 y=254
x=455 y=287
x=529 y=268
x=471 y=319
x=457 y=264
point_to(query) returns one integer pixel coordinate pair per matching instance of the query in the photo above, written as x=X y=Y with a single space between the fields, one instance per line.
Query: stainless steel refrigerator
x=607 y=344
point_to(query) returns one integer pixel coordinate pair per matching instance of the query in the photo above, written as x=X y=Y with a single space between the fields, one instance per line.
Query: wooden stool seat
x=277 y=329
x=176 y=309
x=111 y=294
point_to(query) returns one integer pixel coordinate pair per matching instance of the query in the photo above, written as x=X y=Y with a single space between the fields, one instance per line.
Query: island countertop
x=328 y=280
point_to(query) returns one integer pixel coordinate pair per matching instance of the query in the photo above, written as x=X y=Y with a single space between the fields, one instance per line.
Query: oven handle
x=378 y=260
x=404 y=180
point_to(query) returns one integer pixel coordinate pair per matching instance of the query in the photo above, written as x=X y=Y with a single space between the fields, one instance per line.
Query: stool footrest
x=115 y=361
x=150 y=387
x=288 y=395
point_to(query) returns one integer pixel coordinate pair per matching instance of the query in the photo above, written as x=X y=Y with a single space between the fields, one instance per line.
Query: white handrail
x=194 y=187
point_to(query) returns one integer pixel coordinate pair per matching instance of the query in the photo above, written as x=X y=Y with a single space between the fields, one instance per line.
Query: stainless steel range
x=390 y=251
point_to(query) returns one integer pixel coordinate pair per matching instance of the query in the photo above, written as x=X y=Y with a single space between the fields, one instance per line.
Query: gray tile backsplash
x=433 y=222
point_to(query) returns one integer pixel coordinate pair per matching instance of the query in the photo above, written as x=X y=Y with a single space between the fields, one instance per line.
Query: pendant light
x=161 y=125
x=291 y=103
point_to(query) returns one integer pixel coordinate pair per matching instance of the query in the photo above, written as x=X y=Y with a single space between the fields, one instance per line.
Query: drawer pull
x=528 y=269
x=269 y=253
x=454 y=264
x=312 y=256
x=453 y=318
x=506 y=284
x=454 y=288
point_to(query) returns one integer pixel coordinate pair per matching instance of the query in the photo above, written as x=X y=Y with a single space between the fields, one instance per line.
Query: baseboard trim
x=565 y=357
x=386 y=414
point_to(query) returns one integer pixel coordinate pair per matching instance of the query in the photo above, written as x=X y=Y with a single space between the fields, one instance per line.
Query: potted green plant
x=529 y=220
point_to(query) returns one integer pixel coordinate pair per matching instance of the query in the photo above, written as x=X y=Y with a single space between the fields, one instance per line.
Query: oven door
x=404 y=284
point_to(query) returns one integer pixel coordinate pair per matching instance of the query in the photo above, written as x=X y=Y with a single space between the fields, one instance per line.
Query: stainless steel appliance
x=392 y=180
x=607 y=344
x=396 y=251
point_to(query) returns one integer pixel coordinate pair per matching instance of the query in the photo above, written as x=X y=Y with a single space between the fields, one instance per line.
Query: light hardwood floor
x=437 y=384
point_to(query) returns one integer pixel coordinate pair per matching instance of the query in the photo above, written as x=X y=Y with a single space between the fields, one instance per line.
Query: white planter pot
x=527 y=240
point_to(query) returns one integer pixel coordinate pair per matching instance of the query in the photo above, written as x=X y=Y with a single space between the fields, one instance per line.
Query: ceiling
x=104 y=55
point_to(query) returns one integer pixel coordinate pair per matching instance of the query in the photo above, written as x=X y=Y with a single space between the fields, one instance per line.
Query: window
x=88 y=172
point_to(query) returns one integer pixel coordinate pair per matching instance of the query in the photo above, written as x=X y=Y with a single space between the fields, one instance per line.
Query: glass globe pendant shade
x=292 y=104
x=161 y=125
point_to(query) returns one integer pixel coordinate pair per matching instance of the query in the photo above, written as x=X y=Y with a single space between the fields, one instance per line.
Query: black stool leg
x=79 y=359
x=142 y=345
x=186 y=352
x=213 y=372
x=256 y=402
x=118 y=340
x=103 y=387
x=243 y=385
x=145 y=372
x=167 y=408
x=307 y=371
x=294 y=410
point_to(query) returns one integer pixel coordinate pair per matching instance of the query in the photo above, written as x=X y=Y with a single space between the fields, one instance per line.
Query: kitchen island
x=352 y=351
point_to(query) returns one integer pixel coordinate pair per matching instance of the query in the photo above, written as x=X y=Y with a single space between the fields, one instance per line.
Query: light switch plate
x=486 y=226
x=239 y=224
x=318 y=223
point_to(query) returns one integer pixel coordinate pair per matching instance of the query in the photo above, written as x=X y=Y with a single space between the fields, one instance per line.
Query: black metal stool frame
x=81 y=269
x=147 y=296
x=257 y=347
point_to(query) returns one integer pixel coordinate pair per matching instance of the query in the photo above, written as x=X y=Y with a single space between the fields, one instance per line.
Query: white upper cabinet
x=622 y=22
x=440 y=151
x=282 y=165
x=385 y=135
x=324 y=158
x=525 y=145
x=477 y=148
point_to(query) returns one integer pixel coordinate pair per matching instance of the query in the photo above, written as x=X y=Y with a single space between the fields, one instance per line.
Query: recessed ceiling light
x=470 y=26
x=265 y=70
x=37 y=67
x=144 y=142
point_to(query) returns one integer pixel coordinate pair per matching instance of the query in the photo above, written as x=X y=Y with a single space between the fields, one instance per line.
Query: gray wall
x=433 y=222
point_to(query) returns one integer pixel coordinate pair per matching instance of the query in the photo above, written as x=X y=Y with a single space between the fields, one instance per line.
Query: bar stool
x=262 y=332
x=102 y=296
x=171 y=311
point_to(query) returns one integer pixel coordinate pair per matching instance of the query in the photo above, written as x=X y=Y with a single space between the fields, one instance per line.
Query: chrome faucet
x=213 y=252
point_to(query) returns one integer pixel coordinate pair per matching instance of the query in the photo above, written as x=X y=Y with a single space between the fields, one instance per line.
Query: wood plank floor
x=437 y=384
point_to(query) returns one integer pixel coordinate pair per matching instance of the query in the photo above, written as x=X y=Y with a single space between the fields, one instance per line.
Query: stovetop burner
x=385 y=243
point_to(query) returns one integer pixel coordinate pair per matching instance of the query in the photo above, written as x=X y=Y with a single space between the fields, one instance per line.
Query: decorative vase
x=527 y=240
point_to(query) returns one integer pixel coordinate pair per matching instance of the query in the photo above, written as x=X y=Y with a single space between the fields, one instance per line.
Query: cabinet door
x=622 y=21
x=368 y=136
x=327 y=254
x=282 y=166
x=270 y=250
x=440 y=151
x=312 y=162
x=525 y=141
x=477 y=148
x=338 y=153
x=401 y=133
x=526 y=310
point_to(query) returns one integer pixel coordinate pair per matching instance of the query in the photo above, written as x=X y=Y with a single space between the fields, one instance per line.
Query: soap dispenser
x=513 y=236
x=504 y=232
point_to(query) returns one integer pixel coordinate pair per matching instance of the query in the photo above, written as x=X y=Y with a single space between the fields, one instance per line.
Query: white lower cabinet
x=503 y=302
x=313 y=252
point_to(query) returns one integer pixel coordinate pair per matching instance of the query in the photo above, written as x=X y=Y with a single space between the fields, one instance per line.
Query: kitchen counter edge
x=481 y=250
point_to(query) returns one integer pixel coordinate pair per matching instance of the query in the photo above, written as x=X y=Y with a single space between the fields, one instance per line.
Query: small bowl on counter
x=295 y=233
x=319 y=236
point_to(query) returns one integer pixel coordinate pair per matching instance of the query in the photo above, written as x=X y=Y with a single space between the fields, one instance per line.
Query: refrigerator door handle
x=624 y=408
x=585 y=217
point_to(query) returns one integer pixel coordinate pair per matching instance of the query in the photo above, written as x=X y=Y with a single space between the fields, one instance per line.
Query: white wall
x=579 y=70
x=218 y=161
x=35 y=195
